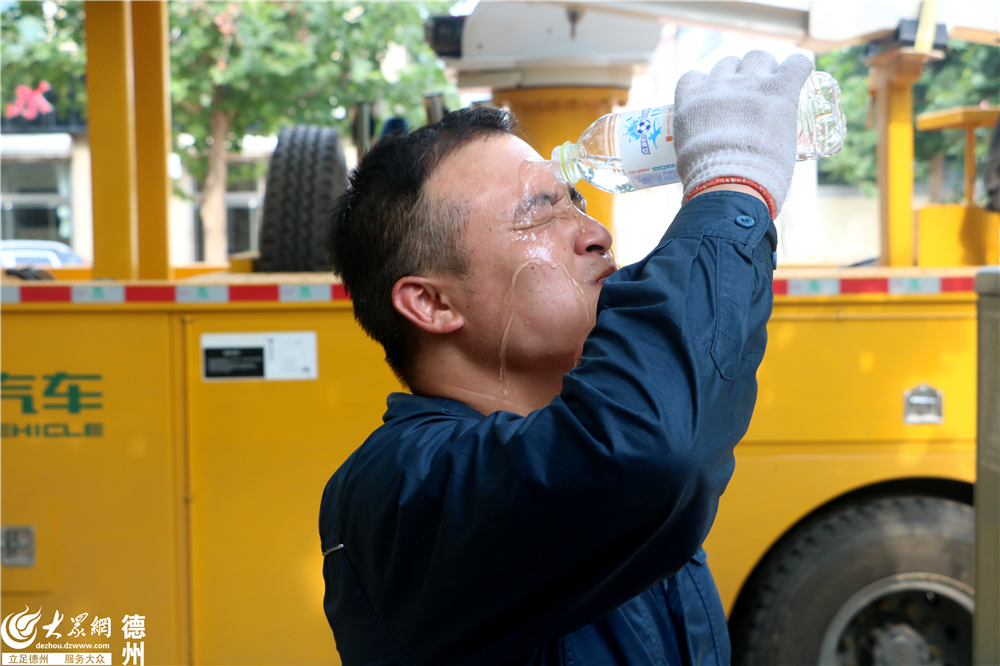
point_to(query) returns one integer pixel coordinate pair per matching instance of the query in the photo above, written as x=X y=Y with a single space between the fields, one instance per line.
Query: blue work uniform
x=571 y=535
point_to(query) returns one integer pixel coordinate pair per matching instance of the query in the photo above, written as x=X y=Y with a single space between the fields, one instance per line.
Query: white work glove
x=740 y=122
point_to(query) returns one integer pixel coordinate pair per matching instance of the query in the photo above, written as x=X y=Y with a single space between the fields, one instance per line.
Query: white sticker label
x=10 y=294
x=98 y=294
x=646 y=143
x=814 y=287
x=260 y=356
x=915 y=285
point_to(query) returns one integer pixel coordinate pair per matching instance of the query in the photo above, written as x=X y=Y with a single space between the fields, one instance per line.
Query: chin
x=556 y=362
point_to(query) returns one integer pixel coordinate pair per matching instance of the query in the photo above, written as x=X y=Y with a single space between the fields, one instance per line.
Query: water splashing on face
x=546 y=222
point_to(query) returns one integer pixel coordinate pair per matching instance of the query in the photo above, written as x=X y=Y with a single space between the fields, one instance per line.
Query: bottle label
x=645 y=142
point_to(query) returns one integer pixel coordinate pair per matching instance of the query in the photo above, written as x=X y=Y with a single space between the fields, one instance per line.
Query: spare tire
x=306 y=174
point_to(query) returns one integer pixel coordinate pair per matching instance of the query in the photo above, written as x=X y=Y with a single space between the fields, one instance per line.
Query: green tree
x=44 y=41
x=252 y=67
x=248 y=67
x=968 y=74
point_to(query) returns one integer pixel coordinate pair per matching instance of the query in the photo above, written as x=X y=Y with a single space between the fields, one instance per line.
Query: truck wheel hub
x=900 y=645
x=916 y=619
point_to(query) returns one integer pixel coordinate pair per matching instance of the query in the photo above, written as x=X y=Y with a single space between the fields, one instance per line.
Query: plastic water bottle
x=624 y=152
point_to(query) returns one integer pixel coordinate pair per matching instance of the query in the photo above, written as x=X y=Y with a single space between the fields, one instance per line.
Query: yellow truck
x=165 y=443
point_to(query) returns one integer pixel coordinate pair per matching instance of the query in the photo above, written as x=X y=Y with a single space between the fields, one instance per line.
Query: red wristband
x=736 y=180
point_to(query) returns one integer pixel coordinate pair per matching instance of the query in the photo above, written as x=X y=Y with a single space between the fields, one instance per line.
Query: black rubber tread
x=306 y=174
x=792 y=597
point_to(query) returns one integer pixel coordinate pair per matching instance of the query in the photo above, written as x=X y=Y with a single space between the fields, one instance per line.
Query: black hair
x=385 y=227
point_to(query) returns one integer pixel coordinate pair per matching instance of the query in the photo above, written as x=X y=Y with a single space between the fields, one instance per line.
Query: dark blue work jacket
x=572 y=535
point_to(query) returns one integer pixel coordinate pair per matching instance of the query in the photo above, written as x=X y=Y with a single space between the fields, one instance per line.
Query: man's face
x=537 y=261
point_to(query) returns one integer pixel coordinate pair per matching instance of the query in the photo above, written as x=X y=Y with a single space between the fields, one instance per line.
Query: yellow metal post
x=111 y=123
x=926 y=27
x=150 y=28
x=962 y=117
x=970 y=164
x=891 y=77
x=959 y=234
x=554 y=115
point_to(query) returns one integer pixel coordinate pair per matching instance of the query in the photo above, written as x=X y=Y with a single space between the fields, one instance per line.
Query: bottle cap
x=563 y=161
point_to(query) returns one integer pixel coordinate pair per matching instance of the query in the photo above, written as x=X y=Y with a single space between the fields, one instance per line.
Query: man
x=543 y=494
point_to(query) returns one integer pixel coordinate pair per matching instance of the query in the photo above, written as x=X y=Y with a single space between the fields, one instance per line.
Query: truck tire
x=884 y=581
x=305 y=176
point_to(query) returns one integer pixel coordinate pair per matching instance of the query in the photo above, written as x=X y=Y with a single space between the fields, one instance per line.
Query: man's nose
x=593 y=237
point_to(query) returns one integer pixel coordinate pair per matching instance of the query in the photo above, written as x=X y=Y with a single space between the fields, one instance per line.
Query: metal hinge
x=17 y=545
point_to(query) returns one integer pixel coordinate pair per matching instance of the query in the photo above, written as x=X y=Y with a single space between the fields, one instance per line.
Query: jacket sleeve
x=506 y=533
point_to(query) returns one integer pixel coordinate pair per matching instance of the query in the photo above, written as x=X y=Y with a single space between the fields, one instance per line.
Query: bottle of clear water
x=624 y=152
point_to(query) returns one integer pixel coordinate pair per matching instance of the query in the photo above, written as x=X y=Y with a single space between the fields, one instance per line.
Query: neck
x=483 y=387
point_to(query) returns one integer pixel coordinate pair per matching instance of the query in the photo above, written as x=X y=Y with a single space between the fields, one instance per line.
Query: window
x=243 y=194
x=36 y=201
x=244 y=230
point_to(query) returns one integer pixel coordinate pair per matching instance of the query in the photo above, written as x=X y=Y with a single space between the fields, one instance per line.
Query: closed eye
x=578 y=200
x=535 y=210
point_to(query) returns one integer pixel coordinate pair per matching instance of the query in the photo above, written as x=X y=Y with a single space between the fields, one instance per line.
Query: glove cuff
x=736 y=180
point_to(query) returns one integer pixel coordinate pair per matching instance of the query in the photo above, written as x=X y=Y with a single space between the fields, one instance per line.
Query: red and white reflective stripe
x=112 y=293
x=320 y=293
x=896 y=286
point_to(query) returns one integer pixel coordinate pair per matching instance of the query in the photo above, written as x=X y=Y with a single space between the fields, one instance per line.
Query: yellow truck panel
x=777 y=485
x=196 y=501
x=835 y=370
x=260 y=454
x=829 y=414
x=90 y=460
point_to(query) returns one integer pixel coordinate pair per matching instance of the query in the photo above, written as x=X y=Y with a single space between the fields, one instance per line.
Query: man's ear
x=426 y=302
